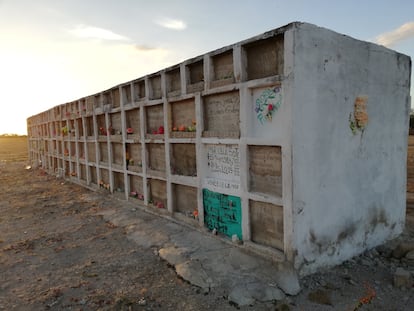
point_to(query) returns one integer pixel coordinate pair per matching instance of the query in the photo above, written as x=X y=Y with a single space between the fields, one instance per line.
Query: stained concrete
x=348 y=182
x=206 y=260
x=339 y=126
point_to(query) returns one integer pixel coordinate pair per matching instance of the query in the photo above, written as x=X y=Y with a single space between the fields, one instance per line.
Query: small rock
x=235 y=239
x=402 y=278
x=384 y=251
x=320 y=296
x=402 y=249
x=264 y=293
x=288 y=280
x=322 y=283
x=374 y=253
x=410 y=255
x=142 y=302
x=282 y=307
x=366 y=262
x=241 y=296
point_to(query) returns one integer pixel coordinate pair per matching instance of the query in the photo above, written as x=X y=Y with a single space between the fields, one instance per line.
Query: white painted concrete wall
x=343 y=191
x=348 y=189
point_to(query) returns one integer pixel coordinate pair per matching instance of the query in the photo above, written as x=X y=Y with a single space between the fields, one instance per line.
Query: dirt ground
x=57 y=254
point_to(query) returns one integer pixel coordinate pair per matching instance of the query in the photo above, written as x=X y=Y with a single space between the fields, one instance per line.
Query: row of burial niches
x=261 y=59
x=221 y=183
x=221 y=118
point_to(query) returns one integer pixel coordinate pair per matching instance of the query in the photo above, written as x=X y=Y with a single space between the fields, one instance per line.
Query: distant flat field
x=13 y=149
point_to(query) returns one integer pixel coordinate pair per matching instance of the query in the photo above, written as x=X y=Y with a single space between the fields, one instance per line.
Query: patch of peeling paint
x=359 y=119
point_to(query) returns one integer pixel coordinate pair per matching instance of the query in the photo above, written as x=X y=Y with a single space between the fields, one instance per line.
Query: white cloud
x=90 y=32
x=169 y=23
x=391 y=38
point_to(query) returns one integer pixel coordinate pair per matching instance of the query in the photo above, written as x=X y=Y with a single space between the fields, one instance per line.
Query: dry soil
x=56 y=253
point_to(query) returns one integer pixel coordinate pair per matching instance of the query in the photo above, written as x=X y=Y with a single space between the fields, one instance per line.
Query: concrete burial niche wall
x=349 y=145
x=293 y=141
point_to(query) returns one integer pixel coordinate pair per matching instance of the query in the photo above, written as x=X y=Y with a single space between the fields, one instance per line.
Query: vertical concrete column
x=123 y=133
x=167 y=156
x=208 y=68
x=199 y=158
x=238 y=64
x=110 y=154
x=287 y=183
x=143 y=147
x=183 y=78
x=244 y=161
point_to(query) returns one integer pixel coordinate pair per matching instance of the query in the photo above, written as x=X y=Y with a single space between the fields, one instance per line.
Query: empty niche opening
x=79 y=127
x=73 y=149
x=74 y=108
x=94 y=177
x=89 y=104
x=73 y=169
x=139 y=90
x=155 y=87
x=126 y=94
x=81 y=150
x=222 y=115
x=264 y=58
x=82 y=169
x=51 y=130
x=133 y=157
x=63 y=131
x=66 y=148
x=136 y=187
x=132 y=124
x=156 y=159
x=82 y=106
x=46 y=130
x=118 y=182
x=104 y=181
x=185 y=200
x=222 y=69
x=66 y=166
x=157 y=192
x=182 y=119
x=89 y=126
x=155 y=120
x=56 y=130
x=118 y=155
x=183 y=160
x=116 y=99
x=115 y=125
x=54 y=163
x=173 y=82
x=68 y=111
x=91 y=152
x=103 y=153
x=97 y=101
x=265 y=168
x=107 y=100
x=53 y=147
x=266 y=224
x=56 y=112
x=72 y=129
x=195 y=77
x=102 y=130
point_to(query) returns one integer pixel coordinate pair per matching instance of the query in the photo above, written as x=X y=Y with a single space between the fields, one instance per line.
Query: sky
x=53 y=52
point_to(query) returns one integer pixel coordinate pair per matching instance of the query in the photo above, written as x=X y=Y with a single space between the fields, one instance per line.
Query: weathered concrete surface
x=350 y=112
x=206 y=260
